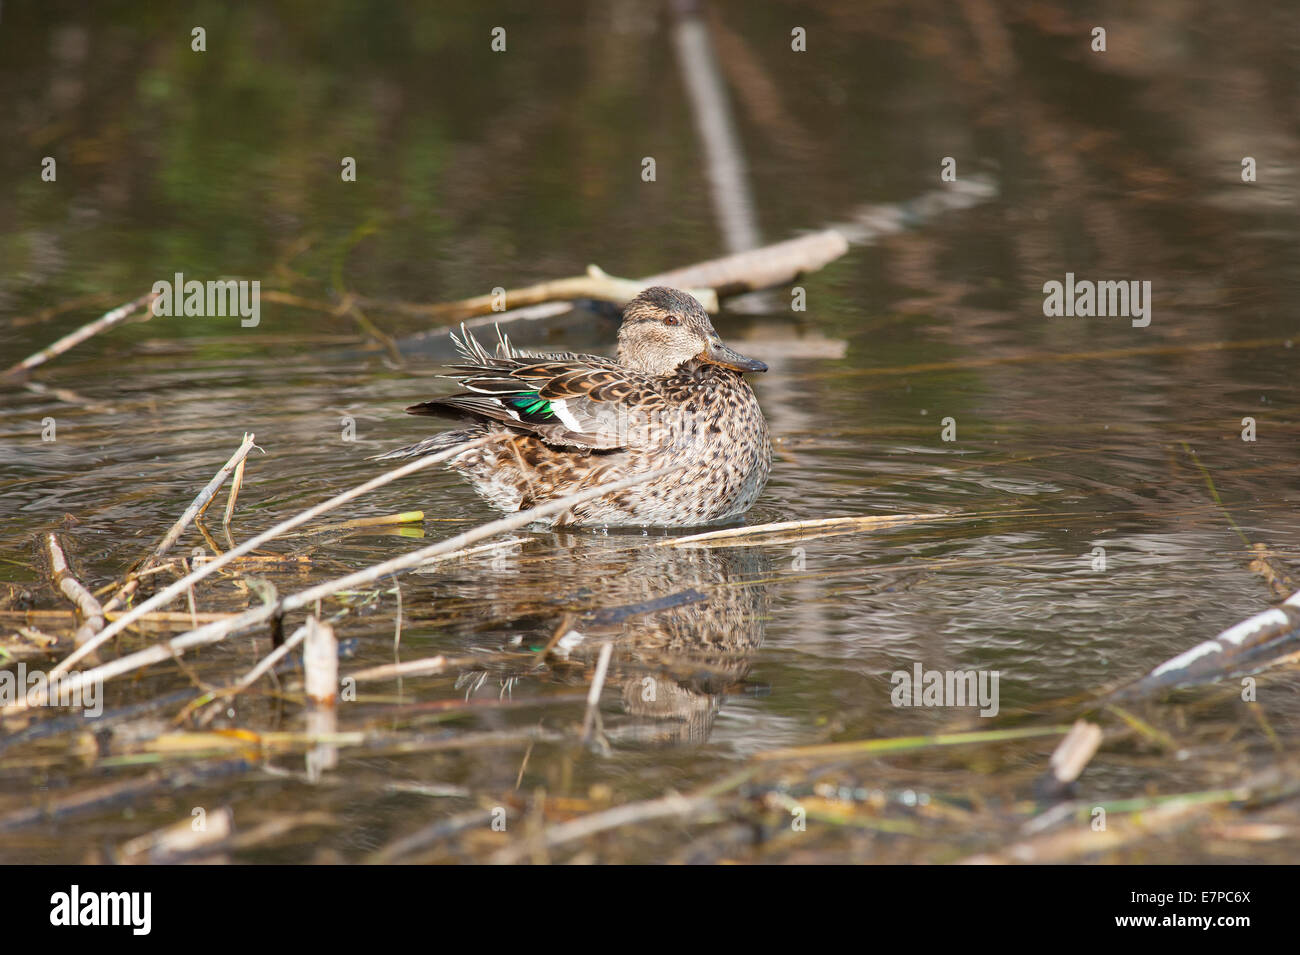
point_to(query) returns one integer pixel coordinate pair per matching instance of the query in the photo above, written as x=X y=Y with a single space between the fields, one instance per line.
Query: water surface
x=478 y=170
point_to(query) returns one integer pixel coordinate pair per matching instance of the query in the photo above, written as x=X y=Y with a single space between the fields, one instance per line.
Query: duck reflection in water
x=683 y=623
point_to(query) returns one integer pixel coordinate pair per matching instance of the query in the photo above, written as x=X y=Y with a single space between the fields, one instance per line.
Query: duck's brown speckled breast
x=712 y=423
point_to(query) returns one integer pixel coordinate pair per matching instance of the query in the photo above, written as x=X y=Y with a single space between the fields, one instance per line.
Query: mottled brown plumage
x=560 y=423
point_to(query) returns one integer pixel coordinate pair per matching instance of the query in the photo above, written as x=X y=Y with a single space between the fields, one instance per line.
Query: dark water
x=478 y=170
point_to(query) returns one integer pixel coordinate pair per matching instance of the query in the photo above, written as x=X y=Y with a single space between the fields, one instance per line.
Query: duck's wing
x=565 y=399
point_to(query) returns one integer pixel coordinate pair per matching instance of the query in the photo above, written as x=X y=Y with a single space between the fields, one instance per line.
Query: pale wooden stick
x=405 y=517
x=1075 y=751
x=178 y=839
x=102 y=324
x=143 y=572
x=320 y=664
x=91 y=612
x=421 y=667
x=765 y=267
x=584 y=826
x=203 y=498
x=165 y=595
x=428 y=666
x=771 y=265
x=733 y=536
x=236 y=483
x=197 y=506
x=597 y=684
x=60 y=617
x=596 y=284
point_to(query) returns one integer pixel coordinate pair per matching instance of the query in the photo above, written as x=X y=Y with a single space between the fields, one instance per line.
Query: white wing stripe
x=565 y=415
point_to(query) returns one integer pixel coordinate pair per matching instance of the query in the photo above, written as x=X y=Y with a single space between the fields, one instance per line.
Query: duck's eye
x=672 y=320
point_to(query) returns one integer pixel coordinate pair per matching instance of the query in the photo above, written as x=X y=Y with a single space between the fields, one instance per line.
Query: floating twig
x=388 y=671
x=197 y=507
x=203 y=498
x=802 y=530
x=92 y=613
x=160 y=617
x=674 y=804
x=179 y=839
x=596 y=284
x=405 y=517
x=99 y=299
x=771 y=265
x=236 y=483
x=102 y=324
x=765 y=267
x=896 y=744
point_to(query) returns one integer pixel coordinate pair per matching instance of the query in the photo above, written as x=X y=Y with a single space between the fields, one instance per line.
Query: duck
x=545 y=426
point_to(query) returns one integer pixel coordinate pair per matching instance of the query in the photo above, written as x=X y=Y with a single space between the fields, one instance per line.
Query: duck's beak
x=715 y=352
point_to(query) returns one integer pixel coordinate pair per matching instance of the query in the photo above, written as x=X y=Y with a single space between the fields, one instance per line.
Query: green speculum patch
x=531 y=404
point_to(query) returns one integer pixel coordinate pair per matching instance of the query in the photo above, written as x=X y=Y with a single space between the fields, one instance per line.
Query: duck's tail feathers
x=474 y=353
x=504 y=348
x=439 y=442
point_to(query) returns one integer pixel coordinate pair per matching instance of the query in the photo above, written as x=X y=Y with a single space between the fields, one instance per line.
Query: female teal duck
x=559 y=423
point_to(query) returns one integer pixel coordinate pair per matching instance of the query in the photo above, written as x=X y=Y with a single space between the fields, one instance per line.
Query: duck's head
x=664 y=328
